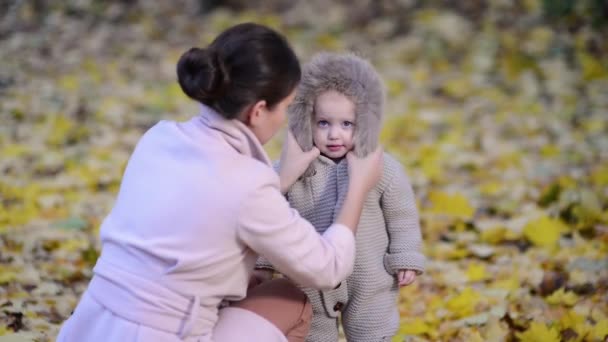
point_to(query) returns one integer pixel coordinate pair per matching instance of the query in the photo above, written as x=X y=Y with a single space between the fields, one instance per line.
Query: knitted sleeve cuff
x=263 y=263
x=404 y=261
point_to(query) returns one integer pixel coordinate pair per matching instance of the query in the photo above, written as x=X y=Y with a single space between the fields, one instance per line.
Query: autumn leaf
x=451 y=204
x=539 y=332
x=599 y=331
x=415 y=327
x=562 y=297
x=463 y=304
x=497 y=116
x=476 y=272
x=544 y=231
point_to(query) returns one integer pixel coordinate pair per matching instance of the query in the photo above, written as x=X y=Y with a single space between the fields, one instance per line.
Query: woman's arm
x=291 y=244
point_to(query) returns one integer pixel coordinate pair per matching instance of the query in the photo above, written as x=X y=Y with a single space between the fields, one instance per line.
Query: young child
x=339 y=107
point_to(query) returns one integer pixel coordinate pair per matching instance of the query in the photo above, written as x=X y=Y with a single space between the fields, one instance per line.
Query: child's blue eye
x=323 y=123
x=348 y=124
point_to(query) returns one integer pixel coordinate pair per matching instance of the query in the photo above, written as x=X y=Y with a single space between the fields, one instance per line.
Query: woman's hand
x=294 y=161
x=365 y=172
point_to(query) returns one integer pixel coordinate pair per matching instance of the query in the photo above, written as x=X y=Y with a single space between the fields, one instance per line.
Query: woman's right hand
x=364 y=173
x=294 y=161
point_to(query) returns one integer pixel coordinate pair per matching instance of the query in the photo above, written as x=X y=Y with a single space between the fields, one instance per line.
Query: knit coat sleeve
x=402 y=221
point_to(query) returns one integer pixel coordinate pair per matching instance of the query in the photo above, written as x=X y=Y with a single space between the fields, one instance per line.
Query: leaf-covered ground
x=497 y=109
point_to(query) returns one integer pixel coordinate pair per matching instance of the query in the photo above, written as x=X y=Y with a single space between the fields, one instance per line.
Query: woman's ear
x=255 y=113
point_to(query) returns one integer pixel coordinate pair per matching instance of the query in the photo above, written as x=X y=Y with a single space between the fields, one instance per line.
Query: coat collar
x=235 y=133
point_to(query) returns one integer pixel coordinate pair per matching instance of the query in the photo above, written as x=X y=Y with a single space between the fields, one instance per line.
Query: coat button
x=339 y=306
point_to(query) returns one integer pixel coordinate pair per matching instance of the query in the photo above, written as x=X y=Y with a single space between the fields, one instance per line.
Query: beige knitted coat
x=388 y=236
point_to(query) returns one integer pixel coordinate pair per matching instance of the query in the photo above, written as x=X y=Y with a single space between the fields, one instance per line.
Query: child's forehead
x=331 y=101
x=332 y=94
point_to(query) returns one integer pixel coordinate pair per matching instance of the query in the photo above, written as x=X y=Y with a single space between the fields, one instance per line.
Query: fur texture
x=351 y=76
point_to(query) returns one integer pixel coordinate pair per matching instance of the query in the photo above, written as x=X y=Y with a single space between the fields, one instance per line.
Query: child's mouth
x=334 y=148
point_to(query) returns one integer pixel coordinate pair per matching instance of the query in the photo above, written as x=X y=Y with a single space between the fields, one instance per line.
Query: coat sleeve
x=403 y=224
x=262 y=262
x=270 y=227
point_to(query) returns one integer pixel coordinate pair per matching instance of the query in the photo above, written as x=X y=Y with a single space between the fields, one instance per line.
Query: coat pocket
x=335 y=300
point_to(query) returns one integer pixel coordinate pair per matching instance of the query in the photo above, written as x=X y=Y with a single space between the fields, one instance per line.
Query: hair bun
x=202 y=74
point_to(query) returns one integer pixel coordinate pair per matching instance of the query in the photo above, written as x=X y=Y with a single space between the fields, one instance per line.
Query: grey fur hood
x=351 y=76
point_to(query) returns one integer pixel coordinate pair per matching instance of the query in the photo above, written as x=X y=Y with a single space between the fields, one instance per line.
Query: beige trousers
x=283 y=304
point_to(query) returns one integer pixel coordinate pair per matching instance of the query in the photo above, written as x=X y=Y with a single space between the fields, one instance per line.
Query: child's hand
x=259 y=276
x=294 y=161
x=406 y=277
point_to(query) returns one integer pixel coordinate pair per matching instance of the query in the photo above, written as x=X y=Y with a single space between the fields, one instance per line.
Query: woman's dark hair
x=244 y=64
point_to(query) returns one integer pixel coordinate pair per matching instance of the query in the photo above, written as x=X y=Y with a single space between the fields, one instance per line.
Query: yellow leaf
x=328 y=41
x=395 y=87
x=421 y=75
x=476 y=272
x=533 y=5
x=451 y=204
x=539 y=332
x=510 y=284
x=550 y=151
x=463 y=304
x=61 y=127
x=574 y=321
x=7 y=274
x=493 y=235
x=592 y=67
x=490 y=188
x=14 y=150
x=449 y=251
x=69 y=83
x=73 y=245
x=561 y=297
x=431 y=168
x=599 y=331
x=457 y=87
x=599 y=176
x=544 y=231
x=415 y=327
x=567 y=182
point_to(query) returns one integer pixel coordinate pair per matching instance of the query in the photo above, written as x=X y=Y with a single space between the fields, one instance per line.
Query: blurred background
x=497 y=109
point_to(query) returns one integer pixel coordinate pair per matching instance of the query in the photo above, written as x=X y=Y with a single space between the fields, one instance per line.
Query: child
x=338 y=108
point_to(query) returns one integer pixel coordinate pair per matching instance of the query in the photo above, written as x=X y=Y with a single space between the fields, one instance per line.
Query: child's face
x=334 y=124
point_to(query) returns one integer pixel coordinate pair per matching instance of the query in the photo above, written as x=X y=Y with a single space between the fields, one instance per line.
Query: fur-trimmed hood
x=351 y=76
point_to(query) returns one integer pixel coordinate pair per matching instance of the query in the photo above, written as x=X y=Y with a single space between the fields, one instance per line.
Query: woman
x=198 y=203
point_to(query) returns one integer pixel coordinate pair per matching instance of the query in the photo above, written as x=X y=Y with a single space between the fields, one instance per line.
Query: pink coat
x=199 y=201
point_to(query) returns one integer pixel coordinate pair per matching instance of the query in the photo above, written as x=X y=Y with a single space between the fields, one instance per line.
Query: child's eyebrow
x=320 y=116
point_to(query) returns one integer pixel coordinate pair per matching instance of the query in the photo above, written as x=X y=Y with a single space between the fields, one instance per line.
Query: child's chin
x=335 y=155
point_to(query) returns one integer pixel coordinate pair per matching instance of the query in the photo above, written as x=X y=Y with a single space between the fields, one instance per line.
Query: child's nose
x=333 y=133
